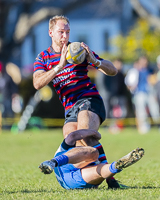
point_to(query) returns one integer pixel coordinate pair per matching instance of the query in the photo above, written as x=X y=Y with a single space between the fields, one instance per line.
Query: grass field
x=21 y=154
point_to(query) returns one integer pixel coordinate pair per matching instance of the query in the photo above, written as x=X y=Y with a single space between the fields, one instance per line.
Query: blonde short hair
x=53 y=20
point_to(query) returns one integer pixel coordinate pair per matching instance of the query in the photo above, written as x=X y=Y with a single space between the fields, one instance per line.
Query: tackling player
x=78 y=167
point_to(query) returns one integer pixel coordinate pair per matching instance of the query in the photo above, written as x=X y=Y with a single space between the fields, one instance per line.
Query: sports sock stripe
x=102 y=157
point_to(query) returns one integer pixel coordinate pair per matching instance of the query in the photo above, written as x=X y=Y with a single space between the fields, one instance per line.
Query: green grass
x=21 y=154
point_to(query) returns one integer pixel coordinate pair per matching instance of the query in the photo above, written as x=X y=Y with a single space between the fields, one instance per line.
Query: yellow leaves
x=140 y=39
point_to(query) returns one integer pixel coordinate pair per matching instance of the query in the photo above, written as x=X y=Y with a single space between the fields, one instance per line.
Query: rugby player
x=79 y=168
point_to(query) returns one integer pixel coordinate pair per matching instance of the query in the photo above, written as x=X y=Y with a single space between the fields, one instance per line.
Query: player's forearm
x=104 y=66
x=42 y=79
x=81 y=134
x=107 y=68
x=85 y=133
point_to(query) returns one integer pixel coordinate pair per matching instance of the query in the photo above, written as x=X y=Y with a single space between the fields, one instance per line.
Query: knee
x=65 y=132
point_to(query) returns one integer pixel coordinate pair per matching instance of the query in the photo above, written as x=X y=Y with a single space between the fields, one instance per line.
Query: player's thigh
x=91 y=176
x=88 y=120
x=68 y=128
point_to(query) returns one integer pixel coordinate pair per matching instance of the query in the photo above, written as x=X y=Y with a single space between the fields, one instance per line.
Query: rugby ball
x=76 y=53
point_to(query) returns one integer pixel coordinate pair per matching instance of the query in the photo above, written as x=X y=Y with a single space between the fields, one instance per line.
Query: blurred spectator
x=7 y=91
x=157 y=84
x=117 y=90
x=114 y=94
x=131 y=79
x=140 y=84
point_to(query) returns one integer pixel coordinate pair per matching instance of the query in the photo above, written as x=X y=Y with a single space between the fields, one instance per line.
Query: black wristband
x=67 y=146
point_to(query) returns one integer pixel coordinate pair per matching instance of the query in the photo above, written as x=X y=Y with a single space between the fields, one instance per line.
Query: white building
x=96 y=23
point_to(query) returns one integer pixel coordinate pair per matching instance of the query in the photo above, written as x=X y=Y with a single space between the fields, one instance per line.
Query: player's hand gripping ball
x=76 y=53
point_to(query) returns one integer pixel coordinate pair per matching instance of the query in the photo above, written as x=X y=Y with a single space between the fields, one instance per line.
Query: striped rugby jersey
x=72 y=83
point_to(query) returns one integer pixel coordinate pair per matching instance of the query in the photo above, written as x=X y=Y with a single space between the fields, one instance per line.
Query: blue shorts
x=93 y=104
x=69 y=177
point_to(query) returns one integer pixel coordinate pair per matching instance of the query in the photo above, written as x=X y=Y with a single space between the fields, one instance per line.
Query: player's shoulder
x=43 y=54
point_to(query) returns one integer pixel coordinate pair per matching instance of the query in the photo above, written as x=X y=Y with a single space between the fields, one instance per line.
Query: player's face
x=143 y=62
x=60 y=33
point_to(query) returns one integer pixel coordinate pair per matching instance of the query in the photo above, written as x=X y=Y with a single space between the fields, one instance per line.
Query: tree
x=25 y=20
x=144 y=14
x=140 y=40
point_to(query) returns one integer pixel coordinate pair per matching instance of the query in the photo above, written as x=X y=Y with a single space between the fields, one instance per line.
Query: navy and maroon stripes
x=102 y=157
x=72 y=83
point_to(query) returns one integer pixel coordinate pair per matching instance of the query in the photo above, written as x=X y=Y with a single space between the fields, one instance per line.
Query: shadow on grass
x=30 y=191
x=129 y=187
x=64 y=191
x=145 y=187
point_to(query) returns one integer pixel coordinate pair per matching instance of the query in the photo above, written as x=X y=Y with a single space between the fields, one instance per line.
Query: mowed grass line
x=21 y=154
